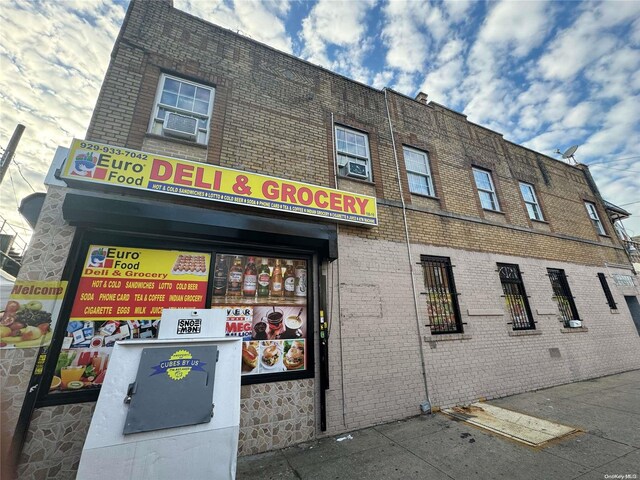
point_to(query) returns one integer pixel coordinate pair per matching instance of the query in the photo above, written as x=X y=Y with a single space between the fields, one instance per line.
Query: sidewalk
x=435 y=447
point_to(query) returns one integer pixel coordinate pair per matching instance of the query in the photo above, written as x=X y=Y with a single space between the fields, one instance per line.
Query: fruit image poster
x=28 y=317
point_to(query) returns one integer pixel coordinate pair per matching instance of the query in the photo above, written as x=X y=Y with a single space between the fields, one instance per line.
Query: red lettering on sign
x=199 y=182
x=288 y=192
x=270 y=190
x=305 y=196
x=184 y=174
x=321 y=203
x=160 y=170
x=362 y=203
x=349 y=204
x=335 y=201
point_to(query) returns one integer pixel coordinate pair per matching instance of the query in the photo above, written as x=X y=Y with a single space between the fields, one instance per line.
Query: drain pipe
x=335 y=185
x=426 y=406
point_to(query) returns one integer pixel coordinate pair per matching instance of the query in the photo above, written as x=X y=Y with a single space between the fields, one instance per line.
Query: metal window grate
x=516 y=297
x=607 y=291
x=442 y=297
x=562 y=295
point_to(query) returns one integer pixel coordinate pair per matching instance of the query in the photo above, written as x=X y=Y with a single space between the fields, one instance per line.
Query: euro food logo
x=98 y=258
x=179 y=365
x=84 y=165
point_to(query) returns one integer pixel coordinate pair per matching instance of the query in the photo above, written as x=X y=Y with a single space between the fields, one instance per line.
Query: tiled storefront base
x=54 y=442
x=272 y=415
x=276 y=415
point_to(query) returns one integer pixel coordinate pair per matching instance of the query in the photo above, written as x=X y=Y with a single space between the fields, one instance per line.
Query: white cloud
x=406 y=45
x=516 y=26
x=333 y=22
x=54 y=56
x=262 y=20
x=457 y=9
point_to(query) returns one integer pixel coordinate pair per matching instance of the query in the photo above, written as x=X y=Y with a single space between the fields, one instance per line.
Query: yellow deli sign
x=107 y=165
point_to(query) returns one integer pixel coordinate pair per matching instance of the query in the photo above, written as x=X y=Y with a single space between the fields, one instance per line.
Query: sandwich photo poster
x=274 y=337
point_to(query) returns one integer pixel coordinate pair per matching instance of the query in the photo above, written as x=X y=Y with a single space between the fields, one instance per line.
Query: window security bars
x=442 y=298
x=607 y=291
x=516 y=297
x=562 y=295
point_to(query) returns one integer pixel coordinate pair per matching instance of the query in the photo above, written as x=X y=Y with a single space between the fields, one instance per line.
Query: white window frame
x=156 y=121
x=533 y=207
x=344 y=155
x=493 y=196
x=593 y=215
x=430 y=190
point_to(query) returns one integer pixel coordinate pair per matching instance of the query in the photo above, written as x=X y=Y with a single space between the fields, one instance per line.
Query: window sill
x=359 y=180
x=524 y=333
x=539 y=221
x=493 y=211
x=614 y=310
x=446 y=337
x=604 y=235
x=422 y=195
x=574 y=330
x=477 y=312
x=176 y=140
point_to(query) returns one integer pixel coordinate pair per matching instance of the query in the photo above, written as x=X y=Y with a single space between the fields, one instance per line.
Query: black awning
x=140 y=215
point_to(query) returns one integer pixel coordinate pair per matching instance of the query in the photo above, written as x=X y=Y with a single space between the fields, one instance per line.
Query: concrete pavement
x=607 y=410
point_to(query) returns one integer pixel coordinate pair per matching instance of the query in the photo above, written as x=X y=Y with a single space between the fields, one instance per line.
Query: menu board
x=264 y=301
x=120 y=295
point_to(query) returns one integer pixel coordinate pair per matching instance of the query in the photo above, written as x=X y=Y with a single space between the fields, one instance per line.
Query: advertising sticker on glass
x=264 y=301
x=30 y=314
x=121 y=294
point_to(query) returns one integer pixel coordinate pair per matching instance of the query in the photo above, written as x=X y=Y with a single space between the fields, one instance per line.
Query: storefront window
x=265 y=302
x=120 y=295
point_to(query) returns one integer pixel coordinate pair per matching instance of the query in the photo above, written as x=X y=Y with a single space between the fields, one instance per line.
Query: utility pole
x=10 y=151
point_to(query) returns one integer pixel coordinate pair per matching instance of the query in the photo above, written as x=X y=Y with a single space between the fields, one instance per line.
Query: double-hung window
x=515 y=297
x=531 y=201
x=352 y=152
x=442 y=299
x=486 y=190
x=593 y=215
x=562 y=295
x=418 y=172
x=182 y=109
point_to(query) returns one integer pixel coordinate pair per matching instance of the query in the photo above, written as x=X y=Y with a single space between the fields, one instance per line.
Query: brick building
x=491 y=269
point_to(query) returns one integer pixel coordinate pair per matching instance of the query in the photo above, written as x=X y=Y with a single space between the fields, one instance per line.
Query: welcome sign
x=107 y=165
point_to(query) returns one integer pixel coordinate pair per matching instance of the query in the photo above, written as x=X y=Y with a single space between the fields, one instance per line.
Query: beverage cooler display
x=264 y=300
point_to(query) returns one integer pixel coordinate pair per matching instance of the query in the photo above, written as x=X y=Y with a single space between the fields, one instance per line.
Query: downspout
x=425 y=408
x=337 y=263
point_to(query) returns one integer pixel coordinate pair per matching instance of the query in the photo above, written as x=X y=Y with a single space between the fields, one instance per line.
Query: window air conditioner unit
x=180 y=126
x=356 y=170
x=575 y=324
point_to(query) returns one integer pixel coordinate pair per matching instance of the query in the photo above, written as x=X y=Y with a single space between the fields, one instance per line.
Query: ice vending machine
x=169 y=408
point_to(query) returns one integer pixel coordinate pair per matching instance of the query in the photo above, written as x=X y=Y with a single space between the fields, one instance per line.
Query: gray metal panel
x=173 y=388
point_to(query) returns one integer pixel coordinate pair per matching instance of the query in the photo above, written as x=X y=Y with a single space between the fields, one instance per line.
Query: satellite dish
x=569 y=152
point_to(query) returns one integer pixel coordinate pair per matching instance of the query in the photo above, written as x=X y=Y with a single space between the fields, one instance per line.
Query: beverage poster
x=120 y=296
x=264 y=301
x=30 y=314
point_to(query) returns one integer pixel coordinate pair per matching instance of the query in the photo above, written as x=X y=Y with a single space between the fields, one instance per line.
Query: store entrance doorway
x=634 y=308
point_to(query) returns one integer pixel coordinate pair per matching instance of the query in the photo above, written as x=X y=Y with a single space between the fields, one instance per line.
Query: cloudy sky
x=545 y=74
